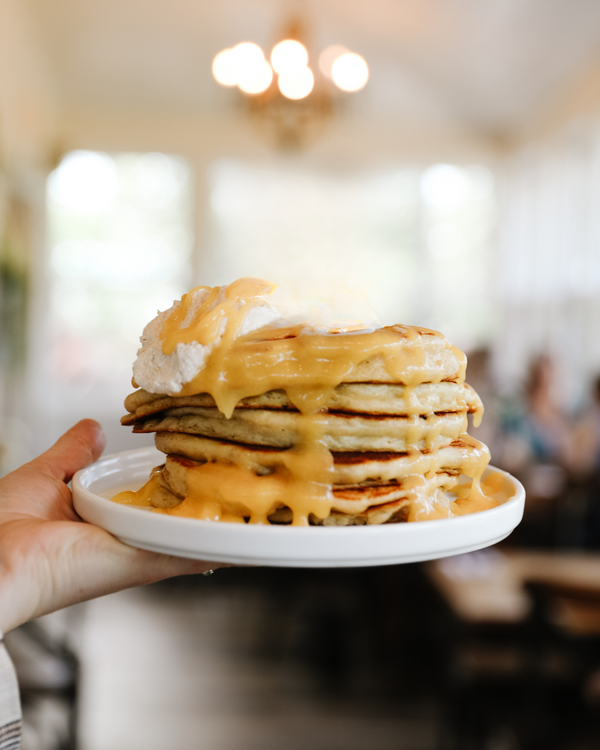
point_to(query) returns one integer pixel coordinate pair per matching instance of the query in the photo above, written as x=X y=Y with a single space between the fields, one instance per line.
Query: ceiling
x=489 y=65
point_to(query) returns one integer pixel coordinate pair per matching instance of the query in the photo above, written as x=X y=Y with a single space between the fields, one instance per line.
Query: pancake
x=348 y=467
x=341 y=431
x=361 y=398
x=264 y=421
x=434 y=362
x=359 y=503
x=329 y=357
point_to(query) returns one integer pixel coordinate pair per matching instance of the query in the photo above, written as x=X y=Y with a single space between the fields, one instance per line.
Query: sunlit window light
x=445 y=186
x=120 y=237
x=86 y=182
x=446 y=240
x=370 y=231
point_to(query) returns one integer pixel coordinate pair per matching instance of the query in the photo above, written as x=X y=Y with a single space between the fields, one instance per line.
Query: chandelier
x=284 y=93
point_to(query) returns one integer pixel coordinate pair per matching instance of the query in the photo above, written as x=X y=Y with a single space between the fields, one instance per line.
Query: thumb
x=77 y=448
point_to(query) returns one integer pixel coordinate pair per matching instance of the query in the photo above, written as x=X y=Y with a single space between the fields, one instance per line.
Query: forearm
x=9 y=616
x=13 y=605
x=20 y=589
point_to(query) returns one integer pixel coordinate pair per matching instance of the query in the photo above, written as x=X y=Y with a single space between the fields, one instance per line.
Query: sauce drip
x=308 y=363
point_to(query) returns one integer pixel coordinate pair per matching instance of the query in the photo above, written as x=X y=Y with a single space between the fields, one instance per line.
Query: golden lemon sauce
x=308 y=364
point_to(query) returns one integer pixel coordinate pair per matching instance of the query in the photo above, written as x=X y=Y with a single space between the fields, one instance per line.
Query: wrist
x=16 y=605
x=8 y=618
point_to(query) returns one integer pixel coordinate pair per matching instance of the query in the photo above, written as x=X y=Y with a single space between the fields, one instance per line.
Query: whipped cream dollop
x=247 y=305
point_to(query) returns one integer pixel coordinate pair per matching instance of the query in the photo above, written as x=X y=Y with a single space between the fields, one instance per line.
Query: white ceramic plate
x=296 y=547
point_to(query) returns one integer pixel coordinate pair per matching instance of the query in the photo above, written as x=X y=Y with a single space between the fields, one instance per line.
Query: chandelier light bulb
x=257 y=79
x=253 y=72
x=243 y=65
x=289 y=56
x=297 y=84
x=224 y=68
x=329 y=56
x=247 y=55
x=350 y=72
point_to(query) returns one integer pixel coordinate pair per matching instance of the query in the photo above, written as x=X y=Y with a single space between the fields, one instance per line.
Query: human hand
x=49 y=557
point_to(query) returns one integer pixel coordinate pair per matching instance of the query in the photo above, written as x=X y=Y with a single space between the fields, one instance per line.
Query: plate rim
x=88 y=503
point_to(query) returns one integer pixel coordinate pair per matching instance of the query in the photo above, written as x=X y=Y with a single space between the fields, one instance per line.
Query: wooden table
x=488 y=586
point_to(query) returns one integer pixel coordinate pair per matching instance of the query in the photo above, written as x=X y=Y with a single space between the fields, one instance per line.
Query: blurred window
x=416 y=242
x=119 y=247
x=548 y=285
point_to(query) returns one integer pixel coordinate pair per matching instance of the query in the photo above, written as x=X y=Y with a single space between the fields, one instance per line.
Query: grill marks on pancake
x=350 y=468
x=339 y=457
x=421 y=428
x=366 y=399
x=341 y=432
x=361 y=457
x=214 y=413
x=232 y=443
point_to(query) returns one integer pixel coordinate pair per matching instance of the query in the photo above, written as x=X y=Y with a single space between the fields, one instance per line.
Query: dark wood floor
x=200 y=665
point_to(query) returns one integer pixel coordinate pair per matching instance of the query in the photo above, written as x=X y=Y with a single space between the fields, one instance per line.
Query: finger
x=80 y=446
x=104 y=566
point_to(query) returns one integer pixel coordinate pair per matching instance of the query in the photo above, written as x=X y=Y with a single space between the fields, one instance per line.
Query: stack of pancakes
x=397 y=449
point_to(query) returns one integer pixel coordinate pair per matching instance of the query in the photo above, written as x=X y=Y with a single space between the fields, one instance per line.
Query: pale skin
x=49 y=557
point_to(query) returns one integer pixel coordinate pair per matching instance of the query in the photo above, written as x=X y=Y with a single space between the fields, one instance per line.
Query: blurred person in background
x=479 y=377
x=584 y=458
x=536 y=447
x=584 y=469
